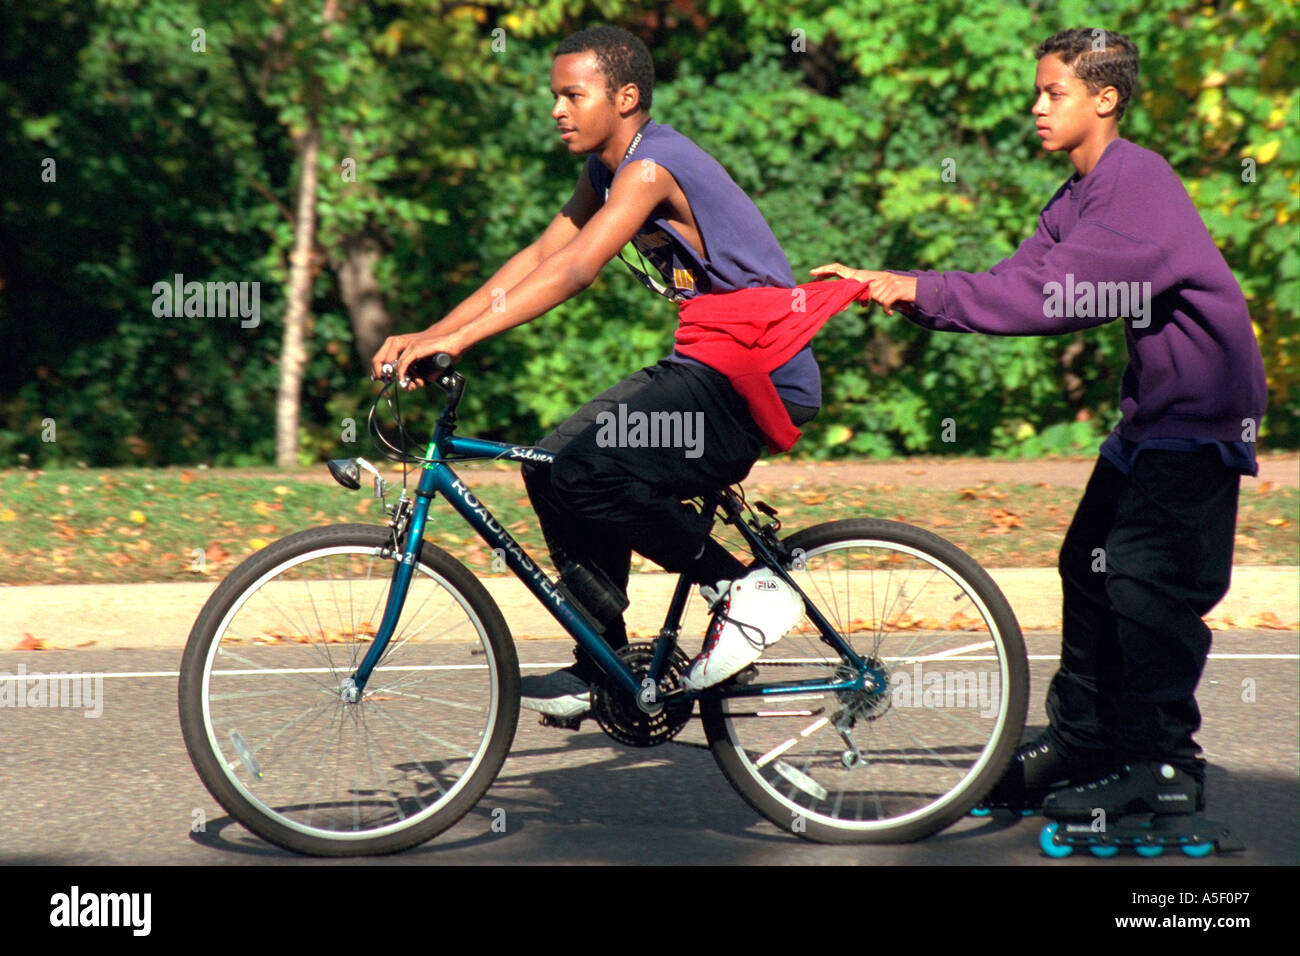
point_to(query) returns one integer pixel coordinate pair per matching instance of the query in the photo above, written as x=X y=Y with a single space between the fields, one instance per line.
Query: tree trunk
x=302 y=272
x=359 y=288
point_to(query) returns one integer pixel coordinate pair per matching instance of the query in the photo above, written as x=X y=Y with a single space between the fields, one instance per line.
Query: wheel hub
x=867 y=704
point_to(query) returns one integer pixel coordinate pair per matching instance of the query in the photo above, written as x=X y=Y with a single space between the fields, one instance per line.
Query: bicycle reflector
x=346 y=472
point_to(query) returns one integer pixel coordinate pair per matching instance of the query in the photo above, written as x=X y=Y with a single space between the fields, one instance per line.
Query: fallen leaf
x=1005 y=519
x=1277 y=522
x=29 y=643
x=257 y=544
x=8 y=514
x=1267 y=620
x=138 y=517
x=282 y=490
x=216 y=553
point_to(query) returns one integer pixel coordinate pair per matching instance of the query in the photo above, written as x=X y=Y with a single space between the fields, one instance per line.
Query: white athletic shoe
x=560 y=694
x=757 y=611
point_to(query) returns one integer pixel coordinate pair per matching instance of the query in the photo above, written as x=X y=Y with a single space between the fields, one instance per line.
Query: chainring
x=620 y=717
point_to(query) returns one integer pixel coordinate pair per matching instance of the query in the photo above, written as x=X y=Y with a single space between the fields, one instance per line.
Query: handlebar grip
x=439 y=362
x=430 y=367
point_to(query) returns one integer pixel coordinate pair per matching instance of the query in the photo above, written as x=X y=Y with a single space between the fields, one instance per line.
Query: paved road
x=119 y=789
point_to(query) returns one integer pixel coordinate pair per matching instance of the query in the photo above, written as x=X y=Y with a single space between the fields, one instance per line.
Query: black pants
x=1146 y=556
x=608 y=494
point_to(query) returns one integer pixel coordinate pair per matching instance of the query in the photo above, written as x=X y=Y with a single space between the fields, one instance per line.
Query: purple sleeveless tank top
x=740 y=250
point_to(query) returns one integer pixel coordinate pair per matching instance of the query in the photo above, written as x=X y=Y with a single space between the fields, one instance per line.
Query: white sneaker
x=757 y=611
x=560 y=694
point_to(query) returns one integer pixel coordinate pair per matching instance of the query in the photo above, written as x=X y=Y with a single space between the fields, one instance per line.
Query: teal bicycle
x=353 y=689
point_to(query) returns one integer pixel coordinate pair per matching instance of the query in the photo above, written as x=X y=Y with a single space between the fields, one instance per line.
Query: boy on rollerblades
x=1149 y=551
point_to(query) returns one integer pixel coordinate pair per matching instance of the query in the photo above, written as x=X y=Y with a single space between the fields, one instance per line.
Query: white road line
x=944 y=655
x=57 y=675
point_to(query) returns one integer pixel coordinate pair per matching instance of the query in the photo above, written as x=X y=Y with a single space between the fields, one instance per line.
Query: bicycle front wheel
x=906 y=758
x=277 y=739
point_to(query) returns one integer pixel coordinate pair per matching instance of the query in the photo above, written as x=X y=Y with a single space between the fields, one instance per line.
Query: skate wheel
x=1049 y=846
x=1149 y=851
x=1105 y=852
x=1198 y=850
x=981 y=812
x=1027 y=813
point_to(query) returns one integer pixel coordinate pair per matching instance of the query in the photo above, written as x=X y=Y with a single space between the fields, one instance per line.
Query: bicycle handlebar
x=440 y=363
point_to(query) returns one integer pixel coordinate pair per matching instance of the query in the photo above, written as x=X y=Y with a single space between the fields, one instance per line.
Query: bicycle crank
x=645 y=721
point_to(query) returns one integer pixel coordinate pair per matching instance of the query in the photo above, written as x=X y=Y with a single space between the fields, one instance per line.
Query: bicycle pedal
x=564 y=723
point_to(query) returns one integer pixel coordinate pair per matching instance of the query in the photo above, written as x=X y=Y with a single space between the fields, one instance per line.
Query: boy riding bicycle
x=603 y=497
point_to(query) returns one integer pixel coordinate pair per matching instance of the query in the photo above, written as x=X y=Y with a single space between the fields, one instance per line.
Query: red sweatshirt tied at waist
x=747 y=333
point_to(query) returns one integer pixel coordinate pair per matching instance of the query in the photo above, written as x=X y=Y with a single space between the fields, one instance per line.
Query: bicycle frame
x=438 y=477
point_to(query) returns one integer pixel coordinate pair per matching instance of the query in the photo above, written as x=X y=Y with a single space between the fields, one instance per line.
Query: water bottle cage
x=594 y=591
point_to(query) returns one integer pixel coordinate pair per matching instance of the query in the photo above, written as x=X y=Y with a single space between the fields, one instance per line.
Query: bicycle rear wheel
x=909 y=758
x=274 y=736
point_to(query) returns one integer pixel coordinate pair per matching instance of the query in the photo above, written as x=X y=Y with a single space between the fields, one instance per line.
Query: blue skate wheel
x=981 y=812
x=1051 y=848
x=1027 y=813
x=1198 y=850
x=1105 y=852
x=1149 y=851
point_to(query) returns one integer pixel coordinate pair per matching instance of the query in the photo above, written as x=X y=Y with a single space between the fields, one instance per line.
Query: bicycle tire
x=259 y=767
x=786 y=762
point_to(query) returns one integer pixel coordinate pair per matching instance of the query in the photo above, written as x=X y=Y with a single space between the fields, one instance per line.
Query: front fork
x=407 y=522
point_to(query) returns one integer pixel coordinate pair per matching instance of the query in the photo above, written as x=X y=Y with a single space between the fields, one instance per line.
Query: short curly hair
x=622 y=56
x=1098 y=57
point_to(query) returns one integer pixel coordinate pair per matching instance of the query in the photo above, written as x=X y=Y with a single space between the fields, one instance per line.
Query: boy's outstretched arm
x=1016 y=296
x=560 y=264
x=889 y=289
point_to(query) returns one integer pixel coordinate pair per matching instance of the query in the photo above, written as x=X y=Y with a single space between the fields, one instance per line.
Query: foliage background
x=175 y=161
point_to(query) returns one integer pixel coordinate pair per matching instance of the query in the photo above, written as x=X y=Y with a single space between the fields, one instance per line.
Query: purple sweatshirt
x=1126 y=242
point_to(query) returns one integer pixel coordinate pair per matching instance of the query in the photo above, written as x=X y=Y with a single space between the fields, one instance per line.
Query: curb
x=109 y=616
